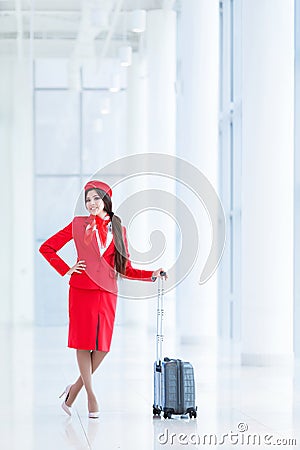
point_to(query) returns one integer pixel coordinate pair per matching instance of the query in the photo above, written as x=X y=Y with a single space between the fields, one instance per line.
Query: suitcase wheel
x=156 y=411
x=192 y=414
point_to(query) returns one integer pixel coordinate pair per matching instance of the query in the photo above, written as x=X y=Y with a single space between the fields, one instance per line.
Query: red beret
x=96 y=184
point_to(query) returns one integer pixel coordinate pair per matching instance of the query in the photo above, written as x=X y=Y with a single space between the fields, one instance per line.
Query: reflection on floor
x=235 y=404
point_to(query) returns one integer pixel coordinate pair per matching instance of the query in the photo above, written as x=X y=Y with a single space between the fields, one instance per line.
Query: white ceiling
x=69 y=28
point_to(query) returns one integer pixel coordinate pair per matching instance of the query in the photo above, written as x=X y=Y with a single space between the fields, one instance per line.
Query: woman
x=102 y=255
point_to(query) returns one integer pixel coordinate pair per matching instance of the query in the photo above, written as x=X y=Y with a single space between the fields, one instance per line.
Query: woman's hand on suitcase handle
x=159 y=273
x=78 y=268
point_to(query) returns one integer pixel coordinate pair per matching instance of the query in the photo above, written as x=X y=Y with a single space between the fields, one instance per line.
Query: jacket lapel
x=94 y=242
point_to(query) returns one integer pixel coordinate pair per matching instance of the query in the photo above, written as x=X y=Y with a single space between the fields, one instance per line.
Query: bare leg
x=85 y=367
x=96 y=358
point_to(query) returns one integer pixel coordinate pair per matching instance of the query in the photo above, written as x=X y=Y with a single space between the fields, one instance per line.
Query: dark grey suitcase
x=174 y=383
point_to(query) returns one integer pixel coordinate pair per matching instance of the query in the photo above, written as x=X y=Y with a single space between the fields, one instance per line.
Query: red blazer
x=100 y=272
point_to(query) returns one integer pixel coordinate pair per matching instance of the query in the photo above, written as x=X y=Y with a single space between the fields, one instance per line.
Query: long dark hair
x=120 y=250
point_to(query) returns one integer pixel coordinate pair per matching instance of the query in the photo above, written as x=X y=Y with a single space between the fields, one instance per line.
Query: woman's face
x=94 y=204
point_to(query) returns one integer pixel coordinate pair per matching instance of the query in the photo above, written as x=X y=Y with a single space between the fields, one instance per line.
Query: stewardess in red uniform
x=102 y=255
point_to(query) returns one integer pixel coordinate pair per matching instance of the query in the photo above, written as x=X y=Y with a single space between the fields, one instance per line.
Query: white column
x=161 y=57
x=161 y=49
x=16 y=186
x=16 y=263
x=152 y=127
x=267 y=181
x=134 y=312
x=197 y=141
x=137 y=105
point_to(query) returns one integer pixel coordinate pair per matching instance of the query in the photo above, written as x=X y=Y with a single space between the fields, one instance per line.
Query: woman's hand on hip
x=157 y=272
x=78 y=268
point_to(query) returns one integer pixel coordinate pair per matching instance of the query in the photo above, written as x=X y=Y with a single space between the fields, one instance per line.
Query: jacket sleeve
x=51 y=246
x=131 y=272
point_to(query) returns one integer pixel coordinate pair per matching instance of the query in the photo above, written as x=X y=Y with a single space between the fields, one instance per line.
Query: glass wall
x=75 y=133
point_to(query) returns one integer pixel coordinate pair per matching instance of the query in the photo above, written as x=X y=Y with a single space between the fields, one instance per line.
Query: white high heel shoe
x=65 y=407
x=94 y=415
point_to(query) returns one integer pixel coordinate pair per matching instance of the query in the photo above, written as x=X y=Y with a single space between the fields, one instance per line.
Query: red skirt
x=91 y=319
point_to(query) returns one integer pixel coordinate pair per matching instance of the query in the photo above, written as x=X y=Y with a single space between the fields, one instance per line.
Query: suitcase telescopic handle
x=160 y=316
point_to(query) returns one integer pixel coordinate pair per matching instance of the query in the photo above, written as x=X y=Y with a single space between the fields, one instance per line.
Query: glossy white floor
x=36 y=366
